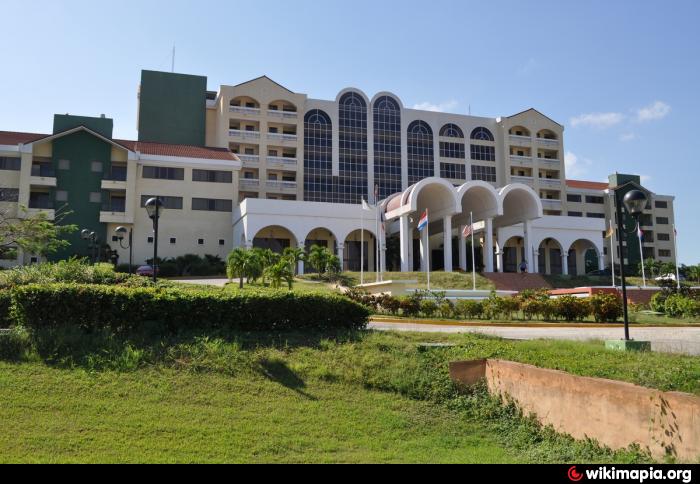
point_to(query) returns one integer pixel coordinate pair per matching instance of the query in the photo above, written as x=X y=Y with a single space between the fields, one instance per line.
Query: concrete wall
x=614 y=413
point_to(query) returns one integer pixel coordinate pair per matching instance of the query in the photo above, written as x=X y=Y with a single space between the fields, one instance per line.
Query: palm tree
x=236 y=264
x=694 y=273
x=318 y=258
x=294 y=255
x=281 y=271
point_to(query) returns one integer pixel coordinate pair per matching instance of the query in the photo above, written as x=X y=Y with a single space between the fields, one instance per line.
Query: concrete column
x=462 y=250
x=341 y=255
x=424 y=251
x=527 y=231
x=565 y=264
x=488 y=246
x=447 y=242
x=411 y=265
x=404 y=243
x=601 y=261
x=300 y=265
x=535 y=264
x=499 y=259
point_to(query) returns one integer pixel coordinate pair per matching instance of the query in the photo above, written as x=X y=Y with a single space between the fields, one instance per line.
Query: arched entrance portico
x=584 y=257
x=275 y=238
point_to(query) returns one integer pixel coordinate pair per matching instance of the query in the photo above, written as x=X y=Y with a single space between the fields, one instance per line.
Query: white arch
x=452 y=206
x=333 y=232
x=353 y=90
x=528 y=202
x=388 y=94
x=370 y=230
x=487 y=208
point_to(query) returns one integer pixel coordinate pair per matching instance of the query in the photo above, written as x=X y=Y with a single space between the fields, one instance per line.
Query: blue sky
x=622 y=76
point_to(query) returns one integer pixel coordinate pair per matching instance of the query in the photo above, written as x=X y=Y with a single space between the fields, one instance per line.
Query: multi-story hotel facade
x=259 y=165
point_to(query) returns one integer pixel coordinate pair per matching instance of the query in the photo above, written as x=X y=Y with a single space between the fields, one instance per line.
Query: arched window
x=420 y=152
x=318 y=156
x=387 y=146
x=482 y=134
x=352 y=144
x=451 y=131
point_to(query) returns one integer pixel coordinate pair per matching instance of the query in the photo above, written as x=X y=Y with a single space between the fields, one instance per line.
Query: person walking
x=523 y=267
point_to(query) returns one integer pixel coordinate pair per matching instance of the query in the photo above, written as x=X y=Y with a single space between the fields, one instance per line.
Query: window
x=660 y=204
x=662 y=220
x=272 y=153
x=200 y=241
x=61 y=196
x=172 y=203
x=451 y=131
x=482 y=134
x=9 y=195
x=574 y=198
x=596 y=200
x=420 y=152
x=96 y=167
x=484 y=173
x=95 y=197
x=212 y=176
x=595 y=215
x=351 y=184
x=453 y=171
x=222 y=242
x=575 y=214
x=387 y=146
x=452 y=150
x=115 y=238
x=212 y=205
x=149 y=240
x=664 y=253
x=483 y=153
x=664 y=237
x=318 y=156
x=646 y=220
x=163 y=173
x=10 y=163
x=64 y=164
x=173 y=240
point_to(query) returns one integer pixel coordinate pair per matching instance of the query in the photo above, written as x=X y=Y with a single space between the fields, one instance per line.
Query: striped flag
x=468 y=229
x=640 y=233
x=423 y=222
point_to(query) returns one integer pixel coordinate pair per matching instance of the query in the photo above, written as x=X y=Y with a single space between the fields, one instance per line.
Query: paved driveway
x=684 y=340
x=220 y=282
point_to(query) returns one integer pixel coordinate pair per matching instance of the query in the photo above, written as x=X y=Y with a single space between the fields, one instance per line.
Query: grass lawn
x=369 y=397
x=438 y=280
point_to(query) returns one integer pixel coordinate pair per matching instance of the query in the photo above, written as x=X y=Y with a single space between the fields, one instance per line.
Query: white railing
x=521 y=160
x=550 y=182
x=238 y=133
x=520 y=140
x=249 y=158
x=548 y=142
x=282 y=114
x=281 y=160
x=546 y=203
x=527 y=180
x=244 y=110
x=549 y=161
x=281 y=137
x=281 y=185
x=249 y=183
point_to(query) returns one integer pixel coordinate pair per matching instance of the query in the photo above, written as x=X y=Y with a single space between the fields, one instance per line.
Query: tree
x=694 y=273
x=242 y=263
x=318 y=258
x=294 y=255
x=33 y=233
x=281 y=271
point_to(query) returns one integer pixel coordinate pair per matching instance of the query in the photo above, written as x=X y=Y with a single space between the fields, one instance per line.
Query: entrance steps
x=517 y=282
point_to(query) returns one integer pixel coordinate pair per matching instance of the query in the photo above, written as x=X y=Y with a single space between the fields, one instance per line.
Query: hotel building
x=256 y=164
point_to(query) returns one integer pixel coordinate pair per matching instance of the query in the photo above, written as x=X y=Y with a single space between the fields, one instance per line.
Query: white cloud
x=438 y=108
x=653 y=112
x=625 y=137
x=576 y=166
x=646 y=179
x=528 y=68
x=598 y=120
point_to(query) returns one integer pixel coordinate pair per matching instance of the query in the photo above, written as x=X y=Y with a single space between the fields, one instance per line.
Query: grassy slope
x=438 y=280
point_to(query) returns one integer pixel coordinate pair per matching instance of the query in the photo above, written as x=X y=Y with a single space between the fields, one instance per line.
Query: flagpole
x=362 y=245
x=675 y=248
x=376 y=237
x=471 y=221
x=641 y=254
x=427 y=247
x=612 y=252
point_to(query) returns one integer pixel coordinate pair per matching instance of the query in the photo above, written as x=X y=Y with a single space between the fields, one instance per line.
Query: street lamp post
x=92 y=239
x=121 y=231
x=634 y=201
x=154 y=208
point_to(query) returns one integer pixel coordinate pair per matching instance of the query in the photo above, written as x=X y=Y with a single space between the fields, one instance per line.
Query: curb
x=434 y=322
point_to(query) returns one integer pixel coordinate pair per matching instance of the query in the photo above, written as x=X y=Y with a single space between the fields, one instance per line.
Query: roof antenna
x=173 y=63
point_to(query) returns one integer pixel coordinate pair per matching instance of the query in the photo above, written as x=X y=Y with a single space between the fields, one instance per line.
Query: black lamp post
x=634 y=201
x=92 y=239
x=121 y=232
x=154 y=208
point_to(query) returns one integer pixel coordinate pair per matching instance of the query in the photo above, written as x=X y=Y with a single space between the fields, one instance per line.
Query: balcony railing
x=281 y=185
x=520 y=160
x=116 y=206
x=550 y=182
x=244 y=110
x=550 y=203
x=527 y=180
x=282 y=114
x=520 y=140
x=41 y=204
x=549 y=161
x=250 y=183
x=249 y=158
x=281 y=160
x=548 y=142
x=281 y=137
x=43 y=171
x=115 y=174
x=239 y=133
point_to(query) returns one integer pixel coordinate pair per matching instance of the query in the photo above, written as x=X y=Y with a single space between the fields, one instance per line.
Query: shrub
x=5 y=304
x=73 y=270
x=658 y=302
x=411 y=305
x=679 y=306
x=606 y=308
x=389 y=304
x=510 y=306
x=446 y=309
x=428 y=307
x=493 y=307
x=14 y=344
x=470 y=309
x=570 y=308
x=91 y=308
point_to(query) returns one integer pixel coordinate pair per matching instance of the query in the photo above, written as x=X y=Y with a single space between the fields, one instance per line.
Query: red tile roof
x=587 y=185
x=157 y=149
x=14 y=138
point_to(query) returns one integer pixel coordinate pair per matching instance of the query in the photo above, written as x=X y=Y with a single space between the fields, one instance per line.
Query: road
x=684 y=340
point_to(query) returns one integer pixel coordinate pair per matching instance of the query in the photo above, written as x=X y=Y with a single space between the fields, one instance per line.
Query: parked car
x=146 y=271
x=668 y=278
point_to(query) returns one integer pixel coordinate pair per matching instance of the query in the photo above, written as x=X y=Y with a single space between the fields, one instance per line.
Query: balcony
x=114 y=179
x=43 y=175
x=241 y=134
x=549 y=204
x=114 y=211
x=249 y=184
x=291 y=138
x=282 y=162
x=549 y=162
x=281 y=186
x=282 y=114
x=548 y=142
x=520 y=160
x=520 y=140
x=527 y=180
x=550 y=183
x=249 y=159
x=244 y=110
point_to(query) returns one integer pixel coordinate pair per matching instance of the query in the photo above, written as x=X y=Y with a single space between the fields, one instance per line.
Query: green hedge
x=125 y=309
x=5 y=304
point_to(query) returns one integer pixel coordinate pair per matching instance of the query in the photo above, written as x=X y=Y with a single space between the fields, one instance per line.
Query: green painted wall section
x=81 y=149
x=64 y=122
x=172 y=108
x=628 y=183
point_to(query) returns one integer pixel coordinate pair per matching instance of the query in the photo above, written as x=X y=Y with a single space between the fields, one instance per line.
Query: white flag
x=366 y=206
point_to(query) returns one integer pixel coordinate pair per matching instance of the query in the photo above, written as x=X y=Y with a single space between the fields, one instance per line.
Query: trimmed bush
x=470 y=309
x=570 y=308
x=92 y=308
x=606 y=308
x=5 y=304
x=679 y=306
x=428 y=307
